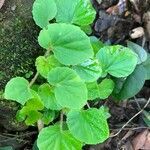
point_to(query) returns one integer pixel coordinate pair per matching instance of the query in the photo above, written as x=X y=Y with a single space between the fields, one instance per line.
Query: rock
x=18 y=42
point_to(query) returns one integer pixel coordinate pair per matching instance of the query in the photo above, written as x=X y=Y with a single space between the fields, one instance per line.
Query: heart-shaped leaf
x=46 y=92
x=132 y=85
x=53 y=138
x=17 y=89
x=105 y=88
x=44 y=65
x=117 y=60
x=68 y=87
x=44 y=11
x=88 y=126
x=71 y=46
x=78 y=12
x=89 y=71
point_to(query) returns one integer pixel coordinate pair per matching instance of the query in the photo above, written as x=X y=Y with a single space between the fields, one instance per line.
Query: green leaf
x=96 y=44
x=87 y=29
x=79 y=12
x=117 y=60
x=105 y=88
x=35 y=103
x=52 y=138
x=17 y=89
x=140 y=51
x=132 y=85
x=68 y=87
x=88 y=126
x=146 y=65
x=44 y=65
x=46 y=93
x=88 y=71
x=29 y=112
x=69 y=43
x=33 y=117
x=93 y=90
x=44 y=11
x=48 y=116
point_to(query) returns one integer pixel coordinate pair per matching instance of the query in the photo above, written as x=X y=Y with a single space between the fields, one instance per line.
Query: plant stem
x=40 y=123
x=61 y=120
x=88 y=105
x=34 y=79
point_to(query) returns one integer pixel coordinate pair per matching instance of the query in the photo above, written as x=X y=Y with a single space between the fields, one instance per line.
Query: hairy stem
x=40 y=123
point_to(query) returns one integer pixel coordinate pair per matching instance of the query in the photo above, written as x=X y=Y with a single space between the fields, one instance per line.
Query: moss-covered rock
x=18 y=40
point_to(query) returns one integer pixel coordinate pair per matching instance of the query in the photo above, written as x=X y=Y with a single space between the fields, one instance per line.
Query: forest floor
x=19 y=48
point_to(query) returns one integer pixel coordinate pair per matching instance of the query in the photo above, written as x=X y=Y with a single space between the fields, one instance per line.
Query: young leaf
x=93 y=90
x=89 y=71
x=44 y=11
x=79 y=12
x=117 y=60
x=68 y=87
x=29 y=112
x=88 y=126
x=17 y=89
x=48 y=116
x=69 y=43
x=132 y=85
x=33 y=117
x=44 y=65
x=105 y=88
x=52 y=138
x=140 y=51
x=46 y=93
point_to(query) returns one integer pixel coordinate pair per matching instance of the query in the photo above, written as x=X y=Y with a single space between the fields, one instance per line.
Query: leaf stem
x=88 y=105
x=37 y=74
x=34 y=79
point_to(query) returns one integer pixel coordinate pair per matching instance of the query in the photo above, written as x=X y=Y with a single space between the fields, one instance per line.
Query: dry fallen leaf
x=142 y=141
x=1 y=3
x=117 y=9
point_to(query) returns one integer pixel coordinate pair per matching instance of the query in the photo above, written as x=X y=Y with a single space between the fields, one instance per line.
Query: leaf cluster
x=78 y=69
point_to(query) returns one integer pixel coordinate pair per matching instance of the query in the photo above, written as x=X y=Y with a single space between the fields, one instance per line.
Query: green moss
x=18 y=42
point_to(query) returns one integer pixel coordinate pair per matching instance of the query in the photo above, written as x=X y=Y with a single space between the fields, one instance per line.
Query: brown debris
x=142 y=141
x=1 y=3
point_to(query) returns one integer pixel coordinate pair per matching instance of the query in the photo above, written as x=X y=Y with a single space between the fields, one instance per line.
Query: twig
x=131 y=119
x=135 y=128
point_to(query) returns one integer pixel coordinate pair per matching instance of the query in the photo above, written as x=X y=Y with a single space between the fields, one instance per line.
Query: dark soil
x=18 y=50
